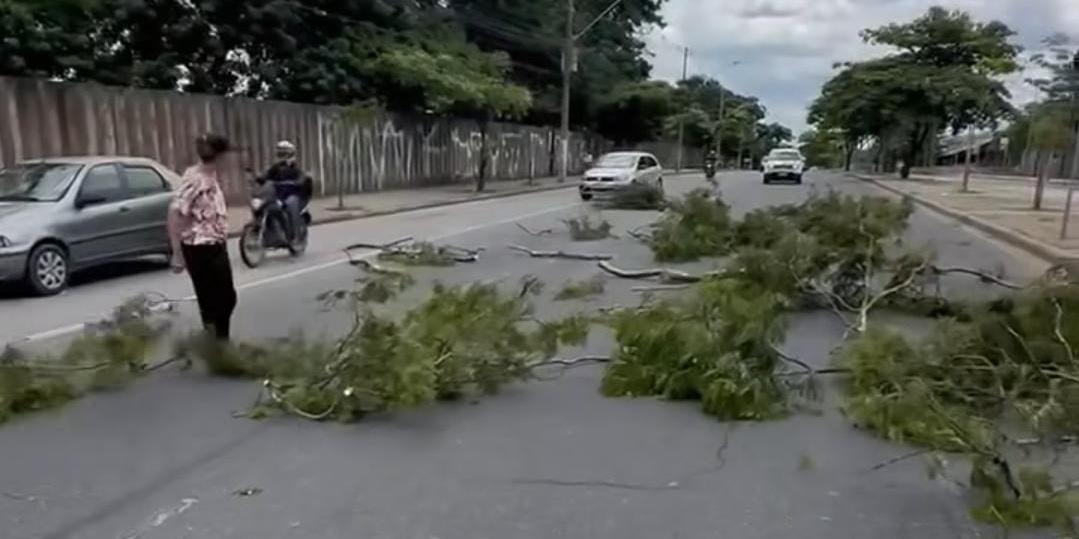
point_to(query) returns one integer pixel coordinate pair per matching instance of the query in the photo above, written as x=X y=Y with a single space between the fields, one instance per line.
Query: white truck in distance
x=784 y=164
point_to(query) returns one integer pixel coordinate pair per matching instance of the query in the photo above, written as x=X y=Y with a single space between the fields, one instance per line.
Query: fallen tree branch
x=898 y=459
x=372 y=267
x=793 y=360
x=665 y=274
x=560 y=254
x=535 y=233
x=640 y=236
x=661 y=288
x=983 y=276
x=380 y=246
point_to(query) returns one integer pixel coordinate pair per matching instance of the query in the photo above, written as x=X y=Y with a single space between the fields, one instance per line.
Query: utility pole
x=567 y=74
x=681 y=119
x=568 y=61
x=719 y=124
x=966 y=165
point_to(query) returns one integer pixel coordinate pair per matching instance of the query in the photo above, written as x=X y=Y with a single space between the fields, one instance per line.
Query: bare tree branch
x=665 y=274
x=983 y=276
x=536 y=233
x=560 y=254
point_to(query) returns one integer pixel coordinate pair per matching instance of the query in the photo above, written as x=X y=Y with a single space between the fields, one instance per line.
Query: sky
x=783 y=50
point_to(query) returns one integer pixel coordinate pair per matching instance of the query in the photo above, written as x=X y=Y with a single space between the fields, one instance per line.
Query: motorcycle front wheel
x=298 y=245
x=251 y=249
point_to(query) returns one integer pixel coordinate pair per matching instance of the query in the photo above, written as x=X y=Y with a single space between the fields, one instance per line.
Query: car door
x=655 y=172
x=642 y=175
x=100 y=226
x=149 y=196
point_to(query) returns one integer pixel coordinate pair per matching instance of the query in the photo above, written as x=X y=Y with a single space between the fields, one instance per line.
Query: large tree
x=634 y=112
x=943 y=75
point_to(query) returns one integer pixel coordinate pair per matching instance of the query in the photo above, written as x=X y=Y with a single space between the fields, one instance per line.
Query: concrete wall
x=40 y=118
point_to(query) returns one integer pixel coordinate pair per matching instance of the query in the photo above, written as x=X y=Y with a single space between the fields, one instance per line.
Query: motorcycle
x=268 y=228
x=709 y=169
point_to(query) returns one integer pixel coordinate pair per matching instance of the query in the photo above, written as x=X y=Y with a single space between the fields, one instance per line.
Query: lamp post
x=568 y=62
x=722 y=111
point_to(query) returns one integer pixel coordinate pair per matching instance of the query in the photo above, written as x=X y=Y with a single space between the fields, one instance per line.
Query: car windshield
x=785 y=155
x=37 y=182
x=616 y=161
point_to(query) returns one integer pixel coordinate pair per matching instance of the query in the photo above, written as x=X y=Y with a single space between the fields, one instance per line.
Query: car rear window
x=790 y=154
x=616 y=161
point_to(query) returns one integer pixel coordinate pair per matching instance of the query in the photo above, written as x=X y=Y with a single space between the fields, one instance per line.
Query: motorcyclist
x=291 y=184
x=711 y=157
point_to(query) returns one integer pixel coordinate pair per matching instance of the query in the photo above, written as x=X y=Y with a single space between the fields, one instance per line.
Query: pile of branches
x=408 y=252
x=108 y=354
x=694 y=227
x=993 y=382
x=460 y=341
x=584 y=228
x=715 y=346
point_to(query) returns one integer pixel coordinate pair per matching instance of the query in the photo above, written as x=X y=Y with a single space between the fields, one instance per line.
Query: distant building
x=988 y=149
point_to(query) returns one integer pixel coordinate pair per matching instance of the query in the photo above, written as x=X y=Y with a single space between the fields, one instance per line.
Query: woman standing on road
x=198 y=231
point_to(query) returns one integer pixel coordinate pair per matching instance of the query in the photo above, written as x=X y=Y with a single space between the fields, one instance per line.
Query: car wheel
x=767 y=181
x=586 y=196
x=798 y=179
x=47 y=269
x=659 y=185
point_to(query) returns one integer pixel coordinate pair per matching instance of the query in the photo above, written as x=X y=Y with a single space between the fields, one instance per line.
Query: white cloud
x=786 y=48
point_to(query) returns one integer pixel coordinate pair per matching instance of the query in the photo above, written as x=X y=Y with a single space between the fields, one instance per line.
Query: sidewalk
x=999 y=207
x=358 y=206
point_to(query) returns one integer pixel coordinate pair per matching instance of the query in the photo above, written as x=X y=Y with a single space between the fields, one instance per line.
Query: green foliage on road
x=696 y=226
x=714 y=347
x=582 y=289
x=585 y=228
x=461 y=341
x=108 y=355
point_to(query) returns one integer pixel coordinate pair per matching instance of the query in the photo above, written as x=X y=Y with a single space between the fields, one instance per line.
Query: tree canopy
x=942 y=76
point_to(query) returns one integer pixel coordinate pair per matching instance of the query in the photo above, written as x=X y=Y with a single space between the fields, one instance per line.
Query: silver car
x=59 y=215
x=619 y=171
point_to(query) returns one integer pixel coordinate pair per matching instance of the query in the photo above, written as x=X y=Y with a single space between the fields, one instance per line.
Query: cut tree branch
x=560 y=254
x=665 y=274
x=983 y=276
x=535 y=233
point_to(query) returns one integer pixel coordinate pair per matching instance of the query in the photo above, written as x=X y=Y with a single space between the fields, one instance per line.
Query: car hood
x=22 y=215
x=606 y=172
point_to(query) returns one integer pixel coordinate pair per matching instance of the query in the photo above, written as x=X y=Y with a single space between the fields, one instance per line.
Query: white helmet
x=285 y=150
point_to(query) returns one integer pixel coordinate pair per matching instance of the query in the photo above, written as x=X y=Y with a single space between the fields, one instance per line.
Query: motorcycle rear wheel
x=252 y=252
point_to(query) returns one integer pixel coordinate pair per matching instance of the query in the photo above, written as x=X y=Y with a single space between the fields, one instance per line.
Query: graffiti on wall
x=40 y=118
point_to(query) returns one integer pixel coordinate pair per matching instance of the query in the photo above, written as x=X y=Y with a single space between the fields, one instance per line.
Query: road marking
x=160 y=518
x=61 y=331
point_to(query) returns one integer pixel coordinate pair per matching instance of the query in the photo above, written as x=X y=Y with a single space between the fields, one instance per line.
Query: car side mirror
x=84 y=201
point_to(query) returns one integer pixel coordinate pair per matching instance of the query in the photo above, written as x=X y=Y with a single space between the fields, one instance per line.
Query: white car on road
x=619 y=171
x=784 y=164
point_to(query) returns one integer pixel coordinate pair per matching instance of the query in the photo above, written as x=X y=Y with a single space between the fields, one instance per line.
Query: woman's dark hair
x=210 y=147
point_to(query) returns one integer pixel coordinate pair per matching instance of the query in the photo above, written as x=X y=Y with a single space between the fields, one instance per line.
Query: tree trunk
x=849 y=151
x=1039 y=188
x=481 y=178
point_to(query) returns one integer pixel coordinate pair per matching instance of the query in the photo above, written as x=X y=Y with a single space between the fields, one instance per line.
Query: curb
x=345 y=216
x=1038 y=248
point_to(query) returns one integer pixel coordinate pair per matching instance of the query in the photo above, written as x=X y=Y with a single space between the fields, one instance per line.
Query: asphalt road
x=545 y=460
